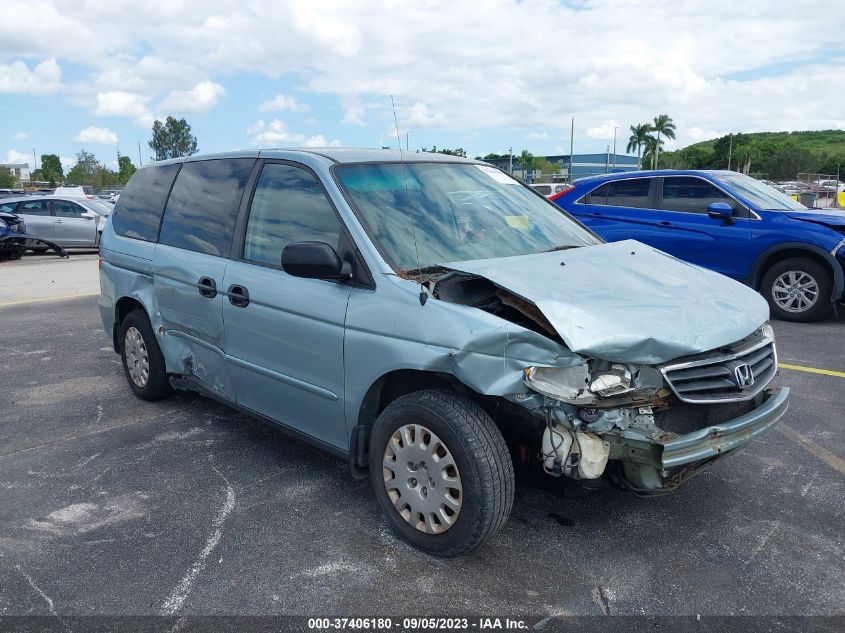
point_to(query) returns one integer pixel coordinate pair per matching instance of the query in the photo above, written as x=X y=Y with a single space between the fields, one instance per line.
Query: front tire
x=798 y=289
x=142 y=359
x=441 y=472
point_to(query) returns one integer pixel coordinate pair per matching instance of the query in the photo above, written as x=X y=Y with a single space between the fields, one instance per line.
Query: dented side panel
x=393 y=331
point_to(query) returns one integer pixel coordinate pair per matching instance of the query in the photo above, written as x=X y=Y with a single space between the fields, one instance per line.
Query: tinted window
x=8 y=207
x=288 y=206
x=65 y=209
x=690 y=194
x=137 y=213
x=628 y=193
x=201 y=211
x=544 y=189
x=596 y=196
x=36 y=207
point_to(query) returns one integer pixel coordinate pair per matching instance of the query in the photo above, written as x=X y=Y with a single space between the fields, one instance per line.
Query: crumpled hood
x=628 y=302
x=828 y=218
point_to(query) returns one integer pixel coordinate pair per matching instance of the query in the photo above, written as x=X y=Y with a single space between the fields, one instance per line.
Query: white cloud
x=21 y=136
x=537 y=136
x=454 y=67
x=17 y=77
x=198 y=100
x=15 y=157
x=97 y=136
x=282 y=102
x=124 y=104
x=276 y=133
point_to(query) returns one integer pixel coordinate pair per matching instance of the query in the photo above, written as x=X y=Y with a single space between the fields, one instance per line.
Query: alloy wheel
x=795 y=291
x=137 y=359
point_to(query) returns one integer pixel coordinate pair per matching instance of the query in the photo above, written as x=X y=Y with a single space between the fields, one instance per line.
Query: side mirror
x=314 y=260
x=721 y=211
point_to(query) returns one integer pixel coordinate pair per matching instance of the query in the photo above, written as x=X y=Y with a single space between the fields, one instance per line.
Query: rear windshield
x=137 y=212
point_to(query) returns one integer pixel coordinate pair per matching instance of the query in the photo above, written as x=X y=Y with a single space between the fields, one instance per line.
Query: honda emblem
x=743 y=376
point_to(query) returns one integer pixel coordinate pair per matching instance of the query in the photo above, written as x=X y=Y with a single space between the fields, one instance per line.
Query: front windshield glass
x=759 y=195
x=459 y=211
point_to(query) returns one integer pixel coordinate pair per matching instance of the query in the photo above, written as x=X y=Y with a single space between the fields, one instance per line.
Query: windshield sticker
x=518 y=221
x=497 y=175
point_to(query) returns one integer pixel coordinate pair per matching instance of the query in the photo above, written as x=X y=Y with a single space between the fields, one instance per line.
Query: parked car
x=727 y=222
x=11 y=246
x=102 y=208
x=548 y=188
x=75 y=192
x=70 y=223
x=409 y=317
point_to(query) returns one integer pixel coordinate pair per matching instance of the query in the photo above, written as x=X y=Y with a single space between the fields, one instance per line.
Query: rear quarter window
x=203 y=206
x=137 y=213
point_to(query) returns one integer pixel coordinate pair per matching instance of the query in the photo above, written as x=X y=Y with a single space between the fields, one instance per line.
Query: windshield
x=460 y=212
x=759 y=195
x=100 y=208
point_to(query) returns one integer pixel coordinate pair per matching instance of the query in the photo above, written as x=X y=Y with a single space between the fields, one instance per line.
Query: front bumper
x=719 y=439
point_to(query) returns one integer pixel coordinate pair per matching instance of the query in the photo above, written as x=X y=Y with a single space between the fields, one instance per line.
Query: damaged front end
x=660 y=425
x=649 y=426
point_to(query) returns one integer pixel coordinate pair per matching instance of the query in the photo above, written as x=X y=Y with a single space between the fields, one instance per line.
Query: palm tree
x=526 y=161
x=650 y=155
x=639 y=138
x=664 y=125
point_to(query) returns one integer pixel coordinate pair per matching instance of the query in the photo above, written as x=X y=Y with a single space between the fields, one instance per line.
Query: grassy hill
x=817 y=142
x=776 y=155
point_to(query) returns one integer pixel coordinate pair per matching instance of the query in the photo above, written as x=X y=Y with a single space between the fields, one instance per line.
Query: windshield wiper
x=562 y=247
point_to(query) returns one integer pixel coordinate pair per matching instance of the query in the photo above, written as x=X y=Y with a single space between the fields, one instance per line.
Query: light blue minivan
x=434 y=322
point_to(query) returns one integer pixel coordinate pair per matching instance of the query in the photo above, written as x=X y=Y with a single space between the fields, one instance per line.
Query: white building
x=20 y=170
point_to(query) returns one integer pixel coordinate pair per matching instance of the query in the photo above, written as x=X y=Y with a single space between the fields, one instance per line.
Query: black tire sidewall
x=463 y=532
x=157 y=385
x=816 y=270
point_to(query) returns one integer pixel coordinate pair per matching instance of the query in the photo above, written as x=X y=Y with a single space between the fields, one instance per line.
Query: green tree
x=51 y=169
x=638 y=139
x=526 y=161
x=172 y=139
x=664 y=125
x=451 y=152
x=7 y=178
x=651 y=151
x=546 y=167
x=125 y=169
x=84 y=172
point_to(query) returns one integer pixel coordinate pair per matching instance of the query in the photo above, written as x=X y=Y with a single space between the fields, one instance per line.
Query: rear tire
x=798 y=289
x=441 y=472
x=142 y=359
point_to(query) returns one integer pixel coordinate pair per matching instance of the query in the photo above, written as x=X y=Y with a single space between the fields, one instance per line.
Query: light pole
x=571 y=144
x=730 y=150
x=615 y=127
x=510 y=160
x=407 y=141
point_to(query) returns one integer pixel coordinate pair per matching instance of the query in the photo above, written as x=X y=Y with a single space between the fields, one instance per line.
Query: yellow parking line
x=834 y=461
x=813 y=370
x=21 y=302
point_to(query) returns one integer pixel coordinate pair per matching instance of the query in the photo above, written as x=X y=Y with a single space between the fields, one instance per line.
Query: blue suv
x=727 y=222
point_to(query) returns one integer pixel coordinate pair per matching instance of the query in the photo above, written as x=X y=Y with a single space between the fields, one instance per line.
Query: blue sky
x=484 y=76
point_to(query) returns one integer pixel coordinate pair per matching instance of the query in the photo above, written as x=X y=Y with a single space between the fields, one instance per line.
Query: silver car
x=69 y=222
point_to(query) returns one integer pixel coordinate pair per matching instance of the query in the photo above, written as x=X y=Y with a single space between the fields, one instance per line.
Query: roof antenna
x=423 y=295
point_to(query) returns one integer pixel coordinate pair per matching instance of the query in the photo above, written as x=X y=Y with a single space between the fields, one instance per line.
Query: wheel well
x=396 y=384
x=787 y=253
x=123 y=307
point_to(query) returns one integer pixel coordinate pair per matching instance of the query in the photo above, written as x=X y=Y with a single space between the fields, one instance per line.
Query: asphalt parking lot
x=116 y=506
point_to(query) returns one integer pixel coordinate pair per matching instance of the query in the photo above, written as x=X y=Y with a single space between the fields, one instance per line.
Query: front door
x=284 y=334
x=73 y=225
x=682 y=227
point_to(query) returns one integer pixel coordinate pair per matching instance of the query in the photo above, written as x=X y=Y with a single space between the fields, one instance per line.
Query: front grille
x=736 y=373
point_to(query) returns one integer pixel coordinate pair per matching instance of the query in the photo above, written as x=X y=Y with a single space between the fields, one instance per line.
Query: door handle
x=238 y=296
x=597 y=213
x=207 y=287
x=58 y=221
x=665 y=223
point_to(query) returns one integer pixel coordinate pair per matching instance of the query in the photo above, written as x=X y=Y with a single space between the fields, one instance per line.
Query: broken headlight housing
x=586 y=383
